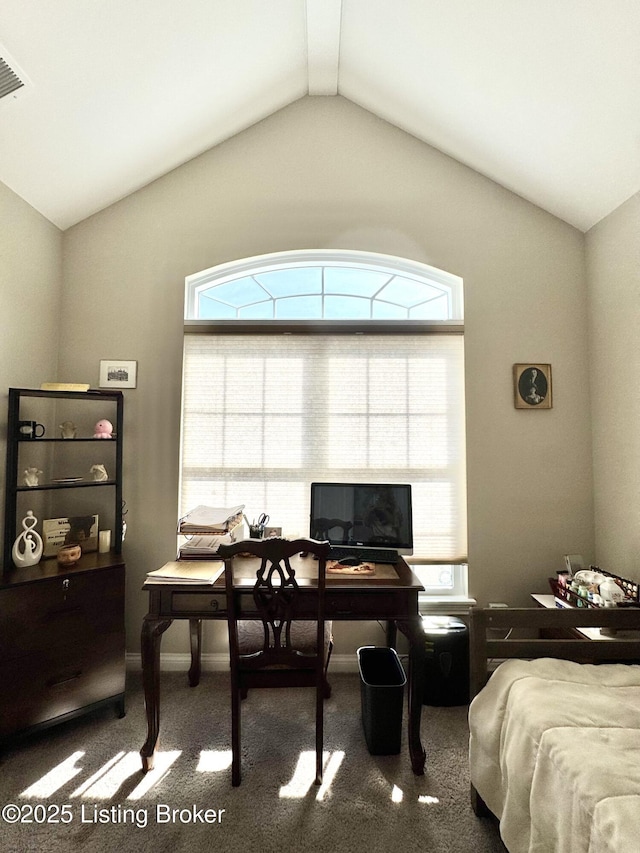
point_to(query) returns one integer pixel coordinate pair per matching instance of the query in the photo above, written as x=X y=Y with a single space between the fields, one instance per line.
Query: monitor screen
x=363 y=514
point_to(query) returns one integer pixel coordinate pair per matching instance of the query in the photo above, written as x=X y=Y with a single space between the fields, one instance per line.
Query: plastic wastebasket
x=382 y=681
x=446 y=676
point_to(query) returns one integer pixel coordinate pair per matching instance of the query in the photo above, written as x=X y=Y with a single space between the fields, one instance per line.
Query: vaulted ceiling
x=542 y=96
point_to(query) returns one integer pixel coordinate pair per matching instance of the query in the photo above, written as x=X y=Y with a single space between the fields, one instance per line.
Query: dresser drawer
x=57 y=681
x=69 y=608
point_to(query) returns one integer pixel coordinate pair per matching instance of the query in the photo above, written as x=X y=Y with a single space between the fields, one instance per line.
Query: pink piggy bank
x=103 y=429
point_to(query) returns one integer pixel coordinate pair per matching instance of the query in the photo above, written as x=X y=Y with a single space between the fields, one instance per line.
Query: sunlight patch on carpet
x=396 y=795
x=430 y=801
x=55 y=778
x=214 y=760
x=106 y=781
x=305 y=774
x=162 y=766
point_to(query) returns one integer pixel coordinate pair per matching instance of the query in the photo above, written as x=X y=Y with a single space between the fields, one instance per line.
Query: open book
x=185 y=571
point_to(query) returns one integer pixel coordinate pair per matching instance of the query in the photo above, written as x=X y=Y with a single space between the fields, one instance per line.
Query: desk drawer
x=193 y=602
x=386 y=604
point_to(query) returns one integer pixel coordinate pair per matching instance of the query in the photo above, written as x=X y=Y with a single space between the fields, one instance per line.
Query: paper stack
x=209 y=519
x=208 y=527
x=183 y=571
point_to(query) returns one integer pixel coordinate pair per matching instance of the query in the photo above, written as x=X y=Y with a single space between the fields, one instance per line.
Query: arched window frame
x=450 y=285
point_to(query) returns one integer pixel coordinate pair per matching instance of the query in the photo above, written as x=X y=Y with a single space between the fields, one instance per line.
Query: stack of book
x=206 y=527
x=184 y=571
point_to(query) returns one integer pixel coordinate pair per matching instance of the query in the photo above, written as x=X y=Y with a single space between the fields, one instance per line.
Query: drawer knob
x=214 y=604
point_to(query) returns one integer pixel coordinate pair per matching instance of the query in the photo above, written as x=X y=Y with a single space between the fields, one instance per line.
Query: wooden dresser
x=62 y=642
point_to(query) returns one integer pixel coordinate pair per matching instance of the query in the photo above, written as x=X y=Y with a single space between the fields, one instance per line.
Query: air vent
x=9 y=81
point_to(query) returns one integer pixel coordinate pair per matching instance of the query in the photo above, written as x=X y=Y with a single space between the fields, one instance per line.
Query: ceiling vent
x=13 y=82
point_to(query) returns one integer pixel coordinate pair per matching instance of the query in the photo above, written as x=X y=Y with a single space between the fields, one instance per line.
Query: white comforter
x=555 y=754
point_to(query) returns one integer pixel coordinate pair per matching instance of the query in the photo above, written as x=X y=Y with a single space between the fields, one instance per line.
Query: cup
x=30 y=429
x=104 y=541
x=256 y=531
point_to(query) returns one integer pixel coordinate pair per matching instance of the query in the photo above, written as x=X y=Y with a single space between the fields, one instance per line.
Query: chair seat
x=303 y=637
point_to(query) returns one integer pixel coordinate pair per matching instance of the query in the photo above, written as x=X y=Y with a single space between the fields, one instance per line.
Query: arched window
x=326 y=366
x=324 y=285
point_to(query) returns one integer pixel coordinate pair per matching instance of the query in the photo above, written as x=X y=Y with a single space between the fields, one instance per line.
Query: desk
x=391 y=595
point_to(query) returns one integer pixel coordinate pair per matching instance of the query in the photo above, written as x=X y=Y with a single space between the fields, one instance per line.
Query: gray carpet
x=81 y=786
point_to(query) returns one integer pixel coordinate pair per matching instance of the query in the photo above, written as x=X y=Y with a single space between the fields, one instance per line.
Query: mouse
x=349 y=561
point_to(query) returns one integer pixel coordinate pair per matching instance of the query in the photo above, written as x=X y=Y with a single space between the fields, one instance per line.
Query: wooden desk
x=392 y=595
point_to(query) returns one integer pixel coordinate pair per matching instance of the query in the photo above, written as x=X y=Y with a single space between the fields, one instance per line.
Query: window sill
x=449 y=604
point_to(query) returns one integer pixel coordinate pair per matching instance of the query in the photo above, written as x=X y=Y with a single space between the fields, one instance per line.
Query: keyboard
x=365 y=555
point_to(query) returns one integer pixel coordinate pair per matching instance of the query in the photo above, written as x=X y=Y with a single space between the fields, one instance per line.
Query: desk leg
x=195 y=636
x=392 y=634
x=152 y=630
x=414 y=633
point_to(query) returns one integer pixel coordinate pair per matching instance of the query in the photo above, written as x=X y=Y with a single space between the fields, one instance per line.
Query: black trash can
x=446 y=675
x=382 y=681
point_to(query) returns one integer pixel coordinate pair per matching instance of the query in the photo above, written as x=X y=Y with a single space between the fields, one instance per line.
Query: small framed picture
x=532 y=386
x=115 y=373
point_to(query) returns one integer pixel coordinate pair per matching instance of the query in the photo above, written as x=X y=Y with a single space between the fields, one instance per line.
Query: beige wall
x=325 y=173
x=613 y=263
x=30 y=296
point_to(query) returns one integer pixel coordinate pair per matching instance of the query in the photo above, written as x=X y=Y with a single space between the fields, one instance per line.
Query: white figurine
x=68 y=429
x=99 y=473
x=31 y=476
x=27 y=549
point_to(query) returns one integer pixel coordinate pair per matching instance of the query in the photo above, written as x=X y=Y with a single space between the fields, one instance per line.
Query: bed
x=554 y=746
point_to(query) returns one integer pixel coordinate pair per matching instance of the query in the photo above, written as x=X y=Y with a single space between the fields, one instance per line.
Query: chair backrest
x=277 y=599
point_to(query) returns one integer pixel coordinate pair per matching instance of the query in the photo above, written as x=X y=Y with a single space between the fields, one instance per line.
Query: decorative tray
x=630 y=588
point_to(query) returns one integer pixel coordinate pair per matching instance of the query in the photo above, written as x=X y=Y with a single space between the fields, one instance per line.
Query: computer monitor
x=363 y=515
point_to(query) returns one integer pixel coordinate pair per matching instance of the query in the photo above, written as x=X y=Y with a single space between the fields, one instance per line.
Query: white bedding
x=555 y=754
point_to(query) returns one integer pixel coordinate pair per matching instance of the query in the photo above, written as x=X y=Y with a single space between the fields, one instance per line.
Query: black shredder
x=446 y=675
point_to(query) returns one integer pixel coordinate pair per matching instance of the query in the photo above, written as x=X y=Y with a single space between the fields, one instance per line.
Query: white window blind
x=265 y=415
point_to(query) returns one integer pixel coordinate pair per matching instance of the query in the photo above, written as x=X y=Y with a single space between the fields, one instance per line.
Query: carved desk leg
x=195 y=636
x=413 y=631
x=152 y=630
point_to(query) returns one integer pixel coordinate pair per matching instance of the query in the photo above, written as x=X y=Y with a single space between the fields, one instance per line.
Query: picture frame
x=532 y=386
x=116 y=373
x=81 y=530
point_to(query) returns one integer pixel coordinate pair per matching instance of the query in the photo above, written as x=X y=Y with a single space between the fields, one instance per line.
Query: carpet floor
x=79 y=786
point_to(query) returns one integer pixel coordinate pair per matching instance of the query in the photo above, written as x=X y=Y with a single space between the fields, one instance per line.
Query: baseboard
x=170 y=662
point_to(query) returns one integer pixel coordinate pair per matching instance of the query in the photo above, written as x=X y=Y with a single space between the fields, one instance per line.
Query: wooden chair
x=277 y=636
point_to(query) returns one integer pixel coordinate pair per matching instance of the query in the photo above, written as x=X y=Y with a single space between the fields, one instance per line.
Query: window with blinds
x=264 y=416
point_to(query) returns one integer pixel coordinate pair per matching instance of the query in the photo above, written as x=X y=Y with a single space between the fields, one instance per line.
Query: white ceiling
x=542 y=96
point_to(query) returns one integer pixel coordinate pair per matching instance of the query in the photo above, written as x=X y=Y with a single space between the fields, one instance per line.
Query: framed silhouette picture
x=532 y=386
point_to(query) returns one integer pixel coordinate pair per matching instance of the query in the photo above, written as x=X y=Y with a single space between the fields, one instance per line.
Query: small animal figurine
x=31 y=476
x=99 y=473
x=103 y=429
x=68 y=429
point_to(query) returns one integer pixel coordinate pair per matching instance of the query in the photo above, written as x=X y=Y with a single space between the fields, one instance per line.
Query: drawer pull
x=62 y=612
x=214 y=604
x=56 y=682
